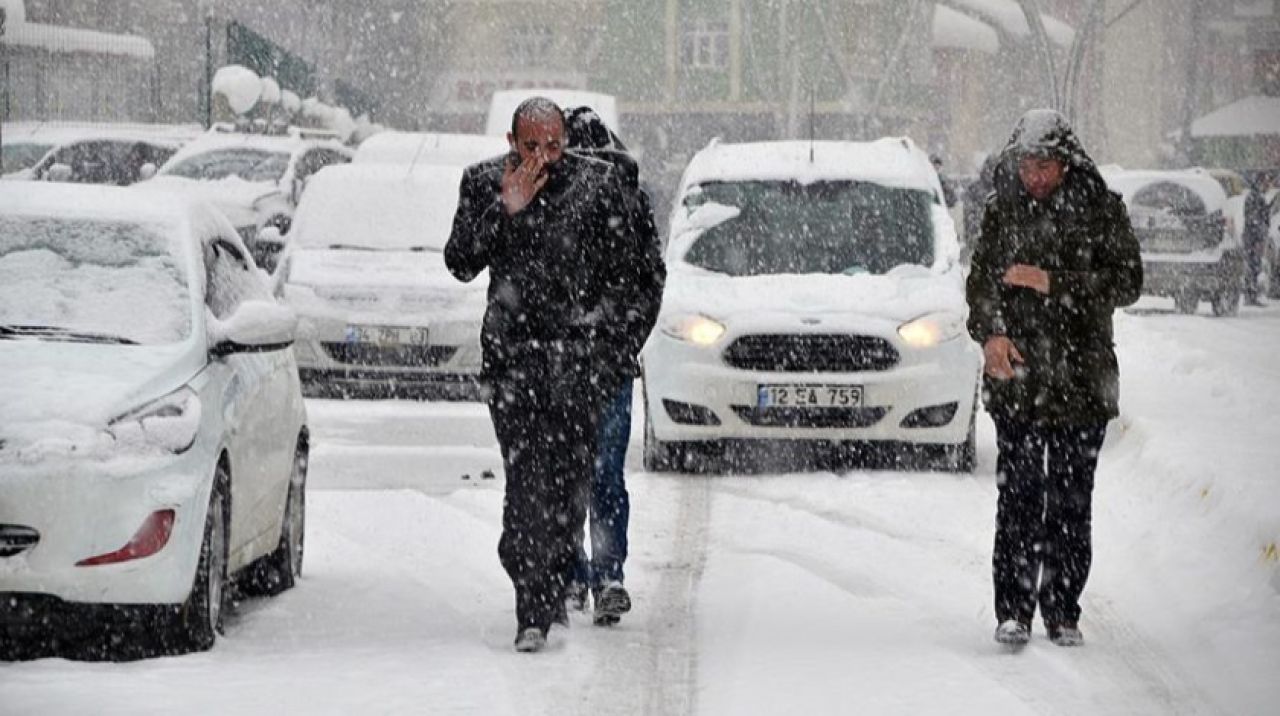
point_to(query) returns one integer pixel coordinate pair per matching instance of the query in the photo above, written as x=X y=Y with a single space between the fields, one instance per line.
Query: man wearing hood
x=552 y=229
x=1055 y=258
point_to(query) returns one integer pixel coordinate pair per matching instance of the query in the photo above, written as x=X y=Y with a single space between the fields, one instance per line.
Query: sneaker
x=575 y=597
x=1065 y=634
x=531 y=639
x=612 y=601
x=1013 y=632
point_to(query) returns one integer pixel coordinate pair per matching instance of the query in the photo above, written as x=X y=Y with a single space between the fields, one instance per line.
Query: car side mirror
x=58 y=172
x=255 y=327
x=146 y=171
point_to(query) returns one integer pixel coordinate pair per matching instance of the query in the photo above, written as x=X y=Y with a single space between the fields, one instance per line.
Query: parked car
x=1189 y=234
x=380 y=314
x=814 y=294
x=115 y=154
x=153 y=440
x=410 y=148
x=255 y=178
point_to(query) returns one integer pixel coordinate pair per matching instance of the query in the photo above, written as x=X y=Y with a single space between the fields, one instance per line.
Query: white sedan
x=814 y=294
x=153 y=438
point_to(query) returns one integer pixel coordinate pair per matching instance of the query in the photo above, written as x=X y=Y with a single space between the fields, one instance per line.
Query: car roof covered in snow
x=218 y=138
x=379 y=205
x=892 y=161
x=57 y=133
x=65 y=200
x=429 y=148
x=1130 y=181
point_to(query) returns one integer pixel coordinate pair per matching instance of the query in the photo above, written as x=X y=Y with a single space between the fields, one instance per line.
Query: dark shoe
x=1065 y=634
x=531 y=639
x=561 y=617
x=1012 y=632
x=612 y=601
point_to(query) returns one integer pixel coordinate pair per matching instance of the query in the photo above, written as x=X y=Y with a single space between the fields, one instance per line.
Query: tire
x=1186 y=302
x=279 y=570
x=198 y=620
x=1226 y=302
x=657 y=455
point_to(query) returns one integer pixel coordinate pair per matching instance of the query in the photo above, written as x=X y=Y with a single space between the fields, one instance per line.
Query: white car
x=412 y=148
x=813 y=294
x=256 y=179
x=153 y=438
x=381 y=316
x=105 y=153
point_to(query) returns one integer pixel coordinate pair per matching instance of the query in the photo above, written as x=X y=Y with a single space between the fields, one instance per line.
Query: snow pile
x=240 y=85
x=270 y=90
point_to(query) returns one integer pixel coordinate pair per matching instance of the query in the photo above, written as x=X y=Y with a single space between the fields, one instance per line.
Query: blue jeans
x=610 y=507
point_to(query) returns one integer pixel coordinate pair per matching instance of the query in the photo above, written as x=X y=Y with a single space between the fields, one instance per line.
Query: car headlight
x=170 y=422
x=932 y=329
x=698 y=330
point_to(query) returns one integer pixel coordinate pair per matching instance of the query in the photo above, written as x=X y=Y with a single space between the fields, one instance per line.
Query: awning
x=955 y=30
x=1247 y=117
x=1008 y=15
x=55 y=38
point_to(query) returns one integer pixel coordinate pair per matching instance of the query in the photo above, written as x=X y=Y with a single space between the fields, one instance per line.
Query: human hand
x=1025 y=276
x=522 y=182
x=999 y=354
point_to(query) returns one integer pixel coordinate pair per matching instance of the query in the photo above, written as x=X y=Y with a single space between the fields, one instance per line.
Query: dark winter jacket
x=560 y=272
x=1255 y=221
x=588 y=136
x=1082 y=237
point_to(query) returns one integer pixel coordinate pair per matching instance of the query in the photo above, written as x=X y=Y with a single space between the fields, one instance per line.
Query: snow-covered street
x=803 y=593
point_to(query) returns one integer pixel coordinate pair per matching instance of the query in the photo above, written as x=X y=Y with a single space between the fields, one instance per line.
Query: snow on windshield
x=94 y=278
x=829 y=227
x=379 y=207
x=255 y=165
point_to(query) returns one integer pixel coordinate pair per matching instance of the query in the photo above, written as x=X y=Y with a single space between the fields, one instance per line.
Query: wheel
x=1226 y=302
x=198 y=620
x=657 y=455
x=1186 y=302
x=279 y=571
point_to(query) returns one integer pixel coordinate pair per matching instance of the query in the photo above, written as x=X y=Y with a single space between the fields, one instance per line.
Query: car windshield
x=248 y=164
x=91 y=280
x=16 y=157
x=829 y=227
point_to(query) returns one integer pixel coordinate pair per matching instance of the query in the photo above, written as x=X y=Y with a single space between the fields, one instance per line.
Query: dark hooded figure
x=552 y=228
x=610 y=505
x=1056 y=256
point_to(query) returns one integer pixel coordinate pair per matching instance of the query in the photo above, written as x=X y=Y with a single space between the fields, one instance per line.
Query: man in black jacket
x=552 y=229
x=1055 y=257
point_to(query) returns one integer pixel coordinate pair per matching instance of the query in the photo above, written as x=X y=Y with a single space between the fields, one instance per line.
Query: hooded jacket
x=1082 y=237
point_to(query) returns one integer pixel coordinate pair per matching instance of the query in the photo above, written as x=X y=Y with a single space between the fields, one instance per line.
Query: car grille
x=810 y=417
x=811 y=353
x=396 y=356
x=15 y=539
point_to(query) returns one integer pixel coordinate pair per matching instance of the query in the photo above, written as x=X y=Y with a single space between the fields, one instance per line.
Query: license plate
x=809 y=396
x=388 y=335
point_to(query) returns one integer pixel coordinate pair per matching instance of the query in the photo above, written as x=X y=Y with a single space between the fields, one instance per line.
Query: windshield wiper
x=58 y=333
x=350 y=247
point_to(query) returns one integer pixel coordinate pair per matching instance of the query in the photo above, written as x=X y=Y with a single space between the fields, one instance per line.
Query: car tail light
x=150 y=538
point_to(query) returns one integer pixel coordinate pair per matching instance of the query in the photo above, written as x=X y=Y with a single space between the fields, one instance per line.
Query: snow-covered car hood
x=385 y=283
x=903 y=294
x=233 y=196
x=58 y=397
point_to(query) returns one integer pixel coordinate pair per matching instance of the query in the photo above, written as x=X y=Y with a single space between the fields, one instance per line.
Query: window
x=705 y=45
x=1169 y=197
x=531 y=45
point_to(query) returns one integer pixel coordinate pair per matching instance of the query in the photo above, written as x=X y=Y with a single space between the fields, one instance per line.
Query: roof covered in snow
x=1008 y=15
x=891 y=161
x=1247 y=117
x=56 y=38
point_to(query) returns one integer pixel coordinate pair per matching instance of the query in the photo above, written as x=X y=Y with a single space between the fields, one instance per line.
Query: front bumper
x=83 y=508
x=331 y=364
x=685 y=383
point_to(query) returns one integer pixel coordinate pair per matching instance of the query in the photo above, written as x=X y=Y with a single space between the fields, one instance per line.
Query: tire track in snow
x=656 y=673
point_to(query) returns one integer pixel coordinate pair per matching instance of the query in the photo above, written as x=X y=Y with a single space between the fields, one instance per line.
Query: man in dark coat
x=1055 y=258
x=610 y=505
x=551 y=228
x=1254 y=236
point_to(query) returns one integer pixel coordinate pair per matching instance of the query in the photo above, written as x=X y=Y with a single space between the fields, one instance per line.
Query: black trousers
x=1043 y=547
x=547 y=432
